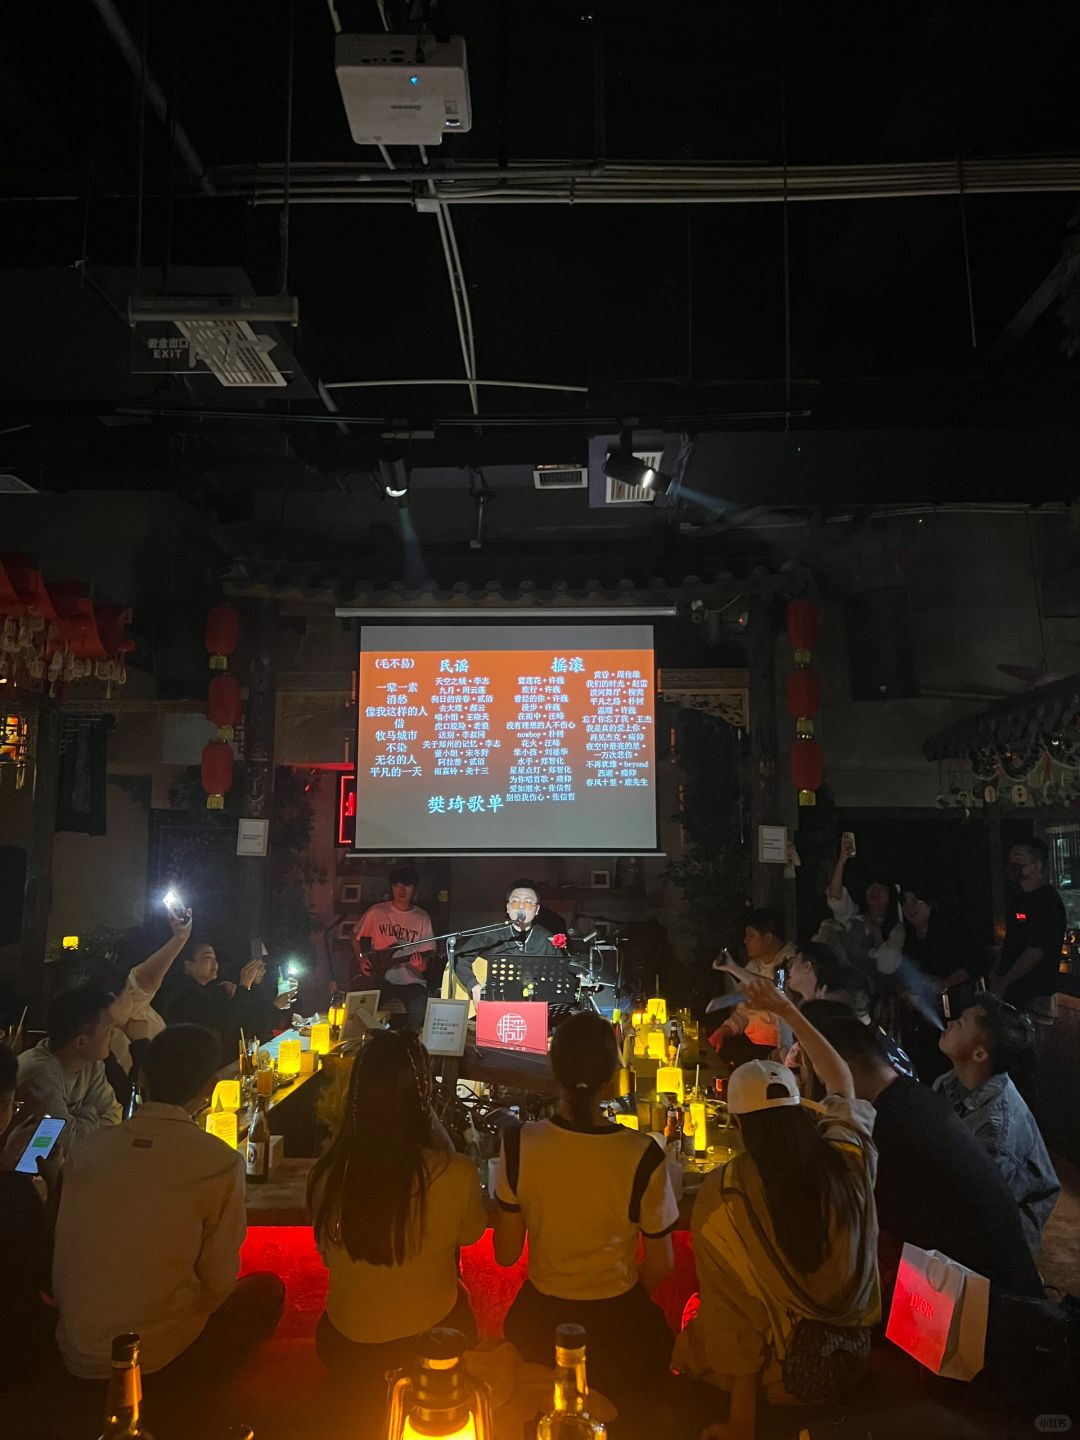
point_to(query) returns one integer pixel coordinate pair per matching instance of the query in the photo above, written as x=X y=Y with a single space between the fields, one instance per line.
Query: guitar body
x=371 y=968
x=480 y=969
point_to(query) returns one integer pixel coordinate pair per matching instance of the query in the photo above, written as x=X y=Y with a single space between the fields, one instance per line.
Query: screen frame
x=483 y=628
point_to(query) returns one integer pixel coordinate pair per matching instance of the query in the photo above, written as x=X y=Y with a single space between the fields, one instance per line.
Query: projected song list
x=472 y=743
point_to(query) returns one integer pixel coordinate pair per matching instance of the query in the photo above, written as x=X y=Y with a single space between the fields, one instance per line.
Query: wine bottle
x=258 y=1145
x=122 y=1406
x=570 y=1419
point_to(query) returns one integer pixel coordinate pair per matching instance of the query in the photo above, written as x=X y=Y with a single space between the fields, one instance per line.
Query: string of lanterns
x=52 y=635
x=804 y=701
x=224 y=705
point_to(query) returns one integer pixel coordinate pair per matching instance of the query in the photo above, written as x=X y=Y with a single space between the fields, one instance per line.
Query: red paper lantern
x=807 y=769
x=222 y=633
x=803 y=693
x=217 y=773
x=224 y=704
x=802 y=626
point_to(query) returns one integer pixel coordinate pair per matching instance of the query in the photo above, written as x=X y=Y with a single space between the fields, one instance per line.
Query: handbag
x=823 y=1361
x=939 y=1312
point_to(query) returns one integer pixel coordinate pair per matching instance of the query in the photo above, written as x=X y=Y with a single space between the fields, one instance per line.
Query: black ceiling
x=674 y=313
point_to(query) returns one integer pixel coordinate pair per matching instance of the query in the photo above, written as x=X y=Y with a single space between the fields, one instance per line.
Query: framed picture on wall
x=352 y=893
x=600 y=879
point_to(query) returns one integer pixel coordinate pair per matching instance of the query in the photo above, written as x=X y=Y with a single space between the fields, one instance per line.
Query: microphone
x=519 y=917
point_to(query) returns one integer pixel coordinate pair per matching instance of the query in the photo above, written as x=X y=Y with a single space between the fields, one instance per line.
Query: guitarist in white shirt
x=391 y=923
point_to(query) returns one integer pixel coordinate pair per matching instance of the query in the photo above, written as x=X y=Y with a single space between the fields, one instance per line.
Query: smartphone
x=41 y=1145
x=848 y=839
x=175 y=906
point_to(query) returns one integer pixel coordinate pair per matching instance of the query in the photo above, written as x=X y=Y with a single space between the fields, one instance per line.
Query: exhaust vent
x=560 y=477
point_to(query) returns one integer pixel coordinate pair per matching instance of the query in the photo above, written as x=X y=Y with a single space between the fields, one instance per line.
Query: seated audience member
x=135 y=1021
x=200 y=998
x=818 y=973
x=391 y=1202
x=747 y=1034
x=585 y=1192
x=26 y=1322
x=149 y=1232
x=873 y=937
x=990 y=1039
x=64 y=1074
x=786 y=1231
x=936 y=945
x=936 y=1185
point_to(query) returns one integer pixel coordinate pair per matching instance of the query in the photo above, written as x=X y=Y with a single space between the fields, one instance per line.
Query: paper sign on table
x=307 y=1062
x=226 y=1095
x=320 y=1039
x=656 y=1044
x=222 y=1123
x=669 y=1080
x=288 y=1057
x=657 y=1008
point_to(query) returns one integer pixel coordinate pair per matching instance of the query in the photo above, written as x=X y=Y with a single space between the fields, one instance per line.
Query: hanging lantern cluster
x=224 y=705
x=56 y=634
x=804 y=701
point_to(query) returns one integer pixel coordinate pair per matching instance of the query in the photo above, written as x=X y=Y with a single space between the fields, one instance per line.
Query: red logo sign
x=345 y=833
x=513 y=1025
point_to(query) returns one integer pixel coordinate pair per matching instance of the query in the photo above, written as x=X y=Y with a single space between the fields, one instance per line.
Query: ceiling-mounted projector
x=403 y=89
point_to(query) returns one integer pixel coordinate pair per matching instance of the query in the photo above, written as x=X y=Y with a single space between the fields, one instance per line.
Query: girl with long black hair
x=391 y=1204
x=585 y=1192
x=785 y=1236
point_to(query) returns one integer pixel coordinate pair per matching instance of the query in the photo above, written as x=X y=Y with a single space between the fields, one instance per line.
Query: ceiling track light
x=394 y=479
x=628 y=468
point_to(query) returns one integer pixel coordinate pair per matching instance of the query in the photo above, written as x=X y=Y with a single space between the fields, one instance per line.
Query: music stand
x=548 y=979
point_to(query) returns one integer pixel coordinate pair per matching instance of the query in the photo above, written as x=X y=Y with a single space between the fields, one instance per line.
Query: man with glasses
x=1027 y=968
x=520 y=936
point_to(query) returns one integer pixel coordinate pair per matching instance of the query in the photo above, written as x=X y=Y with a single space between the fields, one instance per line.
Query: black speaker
x=881 y=649
x=12 y=888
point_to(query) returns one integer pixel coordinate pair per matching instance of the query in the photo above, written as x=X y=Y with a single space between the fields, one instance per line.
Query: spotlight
x=394 y=479
x=623 y=465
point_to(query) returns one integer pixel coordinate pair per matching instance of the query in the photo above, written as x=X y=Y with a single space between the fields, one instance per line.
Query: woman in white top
x=390 y=1206
x=133 y=1014
x=585 y=1192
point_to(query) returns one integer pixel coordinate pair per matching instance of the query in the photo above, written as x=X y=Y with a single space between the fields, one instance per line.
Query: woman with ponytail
x=391 y=1203
x=785 y=1236
x=585 y=1192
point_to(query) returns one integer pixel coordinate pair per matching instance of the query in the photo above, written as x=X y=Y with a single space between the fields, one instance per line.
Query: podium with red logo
x=520 y=1025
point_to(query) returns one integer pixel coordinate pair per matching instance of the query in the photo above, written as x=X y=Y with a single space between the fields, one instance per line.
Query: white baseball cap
x=761 y=1085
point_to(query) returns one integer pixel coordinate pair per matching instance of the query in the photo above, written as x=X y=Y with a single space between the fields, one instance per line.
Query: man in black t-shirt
x=1027 y=968
x=520 y=938
x=937 y=1187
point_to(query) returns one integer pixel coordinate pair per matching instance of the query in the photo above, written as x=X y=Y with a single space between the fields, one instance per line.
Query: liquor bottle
x=673 y=1128
x=258 y=1145
x=570 y=1419
x=688 y=1129
x=124 y=1399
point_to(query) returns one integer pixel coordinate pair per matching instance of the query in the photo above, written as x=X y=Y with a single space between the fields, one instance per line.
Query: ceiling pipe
x=155 y=97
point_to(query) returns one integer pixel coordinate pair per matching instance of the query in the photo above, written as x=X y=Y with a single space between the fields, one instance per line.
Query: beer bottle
x=258 y=1145
x=124 y=1399
x=570 y=1419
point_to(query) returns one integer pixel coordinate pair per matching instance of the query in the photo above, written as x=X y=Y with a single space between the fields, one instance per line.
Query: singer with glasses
x=520 y=936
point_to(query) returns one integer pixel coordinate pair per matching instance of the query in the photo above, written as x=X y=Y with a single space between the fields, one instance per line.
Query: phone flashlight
x=174 y=903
